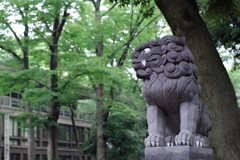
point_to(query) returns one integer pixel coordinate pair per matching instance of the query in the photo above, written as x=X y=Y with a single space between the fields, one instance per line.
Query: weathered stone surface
x=178 y=153
x=175 y=113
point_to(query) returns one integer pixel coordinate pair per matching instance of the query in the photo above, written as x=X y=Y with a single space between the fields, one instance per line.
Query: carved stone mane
x=171 y=58
x=175 y=113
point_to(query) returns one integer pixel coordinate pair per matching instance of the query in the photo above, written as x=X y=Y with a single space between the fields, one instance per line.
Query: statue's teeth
x=197 y=143
x=143 y=62
x=201 y=144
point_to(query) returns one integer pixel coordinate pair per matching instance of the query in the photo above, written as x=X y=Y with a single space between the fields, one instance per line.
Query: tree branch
x=110 y=8
x=12 y=52
x=15 y=35
x=124 y=54
x=45 y=22
x=147 y=25
x=40 y=83
x=70 y=80
x=94 y=3
x=24 y=61
x=138 y=23
x=46 y=25
x=132 y=36
x=76 y=48
x=60 y=28
x=131 y=17
x=92 y=81
x=75 y=129
x=25 y=48
x=21 y=12
x=55 y=30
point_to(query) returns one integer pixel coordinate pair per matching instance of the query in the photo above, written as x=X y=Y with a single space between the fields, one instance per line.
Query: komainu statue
x=175 y=113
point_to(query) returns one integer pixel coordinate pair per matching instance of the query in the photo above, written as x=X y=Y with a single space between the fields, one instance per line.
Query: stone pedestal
x=178 y=153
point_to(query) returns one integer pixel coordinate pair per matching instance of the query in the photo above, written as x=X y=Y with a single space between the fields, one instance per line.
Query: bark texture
x=25 y=61
x=73 y=107
x=217 y=91
x=101 y=114
x=53 y=112
x=52 y=152
x=31 y=138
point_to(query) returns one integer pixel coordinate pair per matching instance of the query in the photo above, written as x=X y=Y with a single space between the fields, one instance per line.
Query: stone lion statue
x=175 y=113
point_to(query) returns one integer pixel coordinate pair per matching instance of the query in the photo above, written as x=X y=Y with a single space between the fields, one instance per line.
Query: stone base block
x=178 y=153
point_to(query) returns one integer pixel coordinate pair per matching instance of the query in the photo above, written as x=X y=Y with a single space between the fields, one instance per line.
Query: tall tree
x=23 y=60
x=66 y=51
x=103 y=113
x=126 y=123
x=31 y=58
x=58 y=24
x=111 y=47
x=217 y=90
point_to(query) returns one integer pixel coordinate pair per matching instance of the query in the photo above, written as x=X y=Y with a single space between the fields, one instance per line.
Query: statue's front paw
x=155 y=141
x=184 y=138
x=170 y=141
x=201 y=141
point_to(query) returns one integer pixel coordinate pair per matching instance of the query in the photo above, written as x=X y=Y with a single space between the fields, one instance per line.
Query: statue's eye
x=146 y=50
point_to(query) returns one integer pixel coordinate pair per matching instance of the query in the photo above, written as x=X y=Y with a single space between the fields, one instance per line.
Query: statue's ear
x=172 y=39
x=177 y=40
x=135 y=55
x=142 y=46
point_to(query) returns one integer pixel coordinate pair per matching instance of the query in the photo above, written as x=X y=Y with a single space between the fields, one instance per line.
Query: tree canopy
x=222 y=20
x=60 y=53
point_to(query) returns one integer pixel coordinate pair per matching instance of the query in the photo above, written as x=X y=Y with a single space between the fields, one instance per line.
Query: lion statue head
x=168 y=56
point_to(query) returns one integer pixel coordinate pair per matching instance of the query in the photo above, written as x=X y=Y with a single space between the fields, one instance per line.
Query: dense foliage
x=58 y=52
x=222 y=19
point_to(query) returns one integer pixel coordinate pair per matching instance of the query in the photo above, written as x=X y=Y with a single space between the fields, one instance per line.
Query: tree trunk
x=101 y=117
x=101 y=114
x=53 y=111
x=31 y=138
x=28 y=108
x=217 y=91
x=52 y=152
x=72 y=107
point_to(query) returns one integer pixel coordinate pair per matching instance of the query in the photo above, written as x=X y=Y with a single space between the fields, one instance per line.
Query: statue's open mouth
x=139 y=64
x=144 y=73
